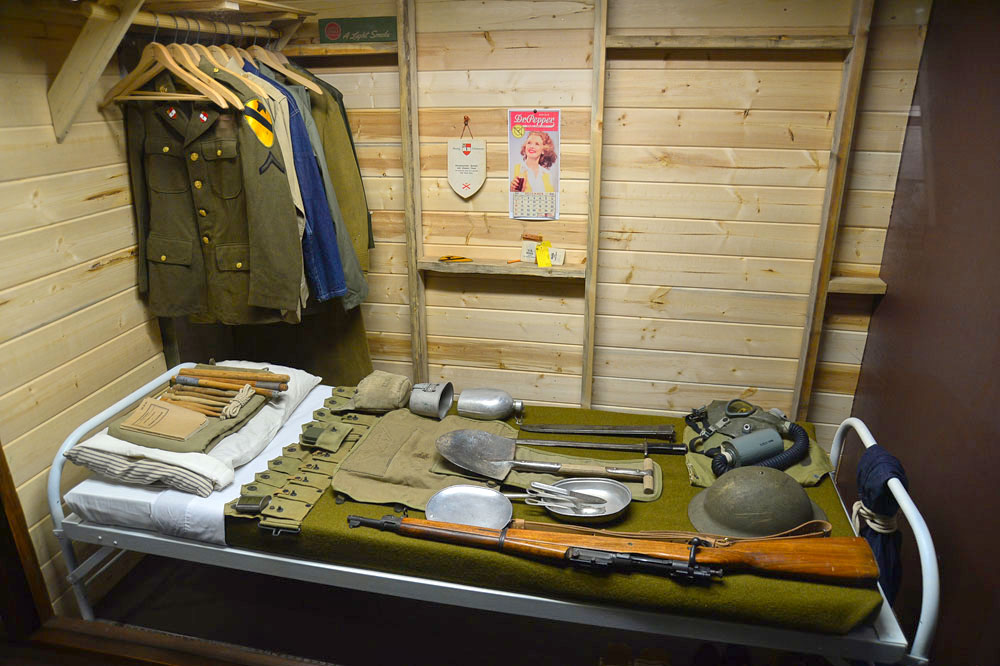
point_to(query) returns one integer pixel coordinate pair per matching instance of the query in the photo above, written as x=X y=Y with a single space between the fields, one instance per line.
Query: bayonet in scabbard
x=664 y=432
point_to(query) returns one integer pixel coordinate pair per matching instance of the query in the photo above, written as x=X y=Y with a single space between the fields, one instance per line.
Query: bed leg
x=79 y=590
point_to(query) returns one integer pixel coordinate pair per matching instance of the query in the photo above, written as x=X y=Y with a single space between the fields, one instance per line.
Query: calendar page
x=535 y=206
x=533 y=158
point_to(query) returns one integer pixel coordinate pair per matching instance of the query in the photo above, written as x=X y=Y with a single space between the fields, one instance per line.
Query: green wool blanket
x=800 y=605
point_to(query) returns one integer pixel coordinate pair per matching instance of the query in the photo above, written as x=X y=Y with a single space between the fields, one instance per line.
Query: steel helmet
x=752 y=502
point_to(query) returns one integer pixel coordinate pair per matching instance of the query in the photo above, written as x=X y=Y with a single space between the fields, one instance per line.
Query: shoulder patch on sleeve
x=259 y=120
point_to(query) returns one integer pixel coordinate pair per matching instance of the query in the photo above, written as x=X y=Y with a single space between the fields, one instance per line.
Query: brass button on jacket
x=194 y=157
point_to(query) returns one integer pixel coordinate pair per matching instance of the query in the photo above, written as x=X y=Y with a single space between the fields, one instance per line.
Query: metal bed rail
x=55 y=481
x=881 y=641
x=930 y=599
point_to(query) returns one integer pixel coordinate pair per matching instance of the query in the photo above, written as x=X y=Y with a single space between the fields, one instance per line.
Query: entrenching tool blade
x=479 y=452
x=493 y=456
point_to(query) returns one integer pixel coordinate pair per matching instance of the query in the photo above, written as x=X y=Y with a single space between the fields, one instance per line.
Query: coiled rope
x=878 y=522
x=239 y=400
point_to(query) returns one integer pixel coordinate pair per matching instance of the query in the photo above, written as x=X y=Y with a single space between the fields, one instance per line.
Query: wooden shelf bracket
x=106 y=27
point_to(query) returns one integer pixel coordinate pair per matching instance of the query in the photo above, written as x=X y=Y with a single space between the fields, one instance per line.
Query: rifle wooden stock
x=841 y=559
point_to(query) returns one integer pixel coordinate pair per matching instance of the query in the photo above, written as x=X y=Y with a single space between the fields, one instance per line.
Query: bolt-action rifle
x=834 y=559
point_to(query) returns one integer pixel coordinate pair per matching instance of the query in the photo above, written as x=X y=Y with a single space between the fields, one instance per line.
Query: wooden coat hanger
x=255 y=87
x=219 y=55
x=208 y=55
x=231 y=51
x=268 y=59
x=156 y=58
x=246 y=55
x=144 y=70
x=187 y=57
x=219 y=58
x=276 y=54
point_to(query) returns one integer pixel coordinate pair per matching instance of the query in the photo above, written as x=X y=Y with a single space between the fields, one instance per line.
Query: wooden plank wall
x=897 y=40
x=476 y=59
x=714 y=168
x=713 y=173
x=74 y=334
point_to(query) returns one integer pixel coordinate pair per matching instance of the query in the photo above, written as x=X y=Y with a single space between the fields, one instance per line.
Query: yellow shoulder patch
x=260 y=121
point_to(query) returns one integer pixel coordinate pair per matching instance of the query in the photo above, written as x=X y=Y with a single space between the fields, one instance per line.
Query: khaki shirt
x=216 y=220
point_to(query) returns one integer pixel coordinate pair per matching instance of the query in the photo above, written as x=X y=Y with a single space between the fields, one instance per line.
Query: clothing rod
x=169 y=22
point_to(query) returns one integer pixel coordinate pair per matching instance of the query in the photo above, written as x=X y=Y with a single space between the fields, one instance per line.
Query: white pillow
x=243 y=445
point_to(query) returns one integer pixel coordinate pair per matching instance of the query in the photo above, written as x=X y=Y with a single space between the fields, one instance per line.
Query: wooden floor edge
x=139 y=645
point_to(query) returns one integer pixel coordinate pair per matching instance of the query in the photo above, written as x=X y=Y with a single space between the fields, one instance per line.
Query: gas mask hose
x=721 y=463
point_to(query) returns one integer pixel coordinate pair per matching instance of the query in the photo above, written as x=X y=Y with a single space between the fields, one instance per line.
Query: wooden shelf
x=501 y=267
x=804 y=42
x=857 y=285
x=250 y=10
x=107 y=24
x=361 y=48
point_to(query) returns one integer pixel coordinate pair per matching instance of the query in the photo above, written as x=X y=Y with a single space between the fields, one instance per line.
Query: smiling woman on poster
x=533 y=173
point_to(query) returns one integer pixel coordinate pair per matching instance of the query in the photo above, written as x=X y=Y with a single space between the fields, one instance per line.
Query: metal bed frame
x=881 y=641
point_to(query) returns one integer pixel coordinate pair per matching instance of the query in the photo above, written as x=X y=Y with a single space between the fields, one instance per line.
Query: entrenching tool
x=493 y=456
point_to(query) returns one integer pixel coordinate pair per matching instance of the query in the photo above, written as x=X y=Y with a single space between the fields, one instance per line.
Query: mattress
x=173 y=513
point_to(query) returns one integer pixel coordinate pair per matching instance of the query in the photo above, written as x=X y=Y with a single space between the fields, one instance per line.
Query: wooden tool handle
x=210 y=401
x=219 y=393
x=235 y=374
x=211 y=383
x=256 y=383
x=193 y=407
x=648 y=481
x=577 y=469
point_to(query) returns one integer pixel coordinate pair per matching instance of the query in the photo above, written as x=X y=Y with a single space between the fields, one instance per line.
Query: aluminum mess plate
x=616 y=495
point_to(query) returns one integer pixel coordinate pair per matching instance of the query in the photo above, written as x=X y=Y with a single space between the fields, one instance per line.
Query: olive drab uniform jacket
x=216 y=222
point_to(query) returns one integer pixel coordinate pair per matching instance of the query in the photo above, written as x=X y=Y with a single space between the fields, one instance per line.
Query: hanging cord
x=237 y=403
x=878 y=522
x=467 y=127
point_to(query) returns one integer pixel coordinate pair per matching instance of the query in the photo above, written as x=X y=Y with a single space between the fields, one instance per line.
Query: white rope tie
x=239 y=400
x=878 y=522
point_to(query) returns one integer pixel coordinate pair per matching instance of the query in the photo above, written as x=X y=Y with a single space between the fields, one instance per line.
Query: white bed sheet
x=178 y=514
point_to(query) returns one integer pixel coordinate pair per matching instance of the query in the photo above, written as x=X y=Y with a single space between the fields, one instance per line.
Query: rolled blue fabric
x=877 y=466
